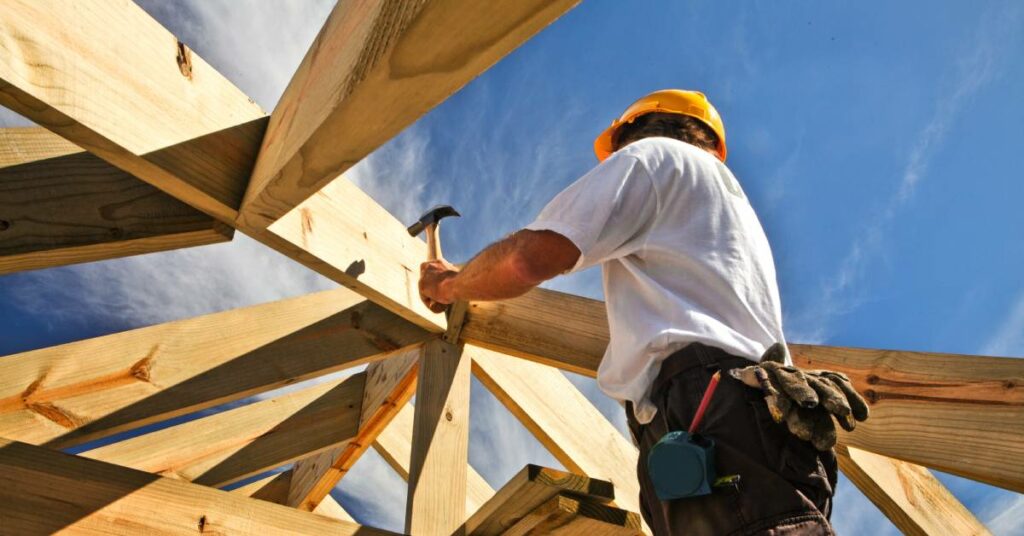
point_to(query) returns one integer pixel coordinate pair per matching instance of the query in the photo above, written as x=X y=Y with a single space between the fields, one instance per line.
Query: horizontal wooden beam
x=389 y=385
x=529 y=489
x=562 y=419
x=274 y=488
x=382 y=65
x=60 y=205
x=569 y=515
x=394 y=444
x=226 y=447
x=956 y=413
x=562 y=330
x=909 y=495
x=43 y=491
x=68 y=394
x=111 y=79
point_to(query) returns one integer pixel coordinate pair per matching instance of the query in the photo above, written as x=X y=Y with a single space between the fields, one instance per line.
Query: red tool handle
x=704 y=402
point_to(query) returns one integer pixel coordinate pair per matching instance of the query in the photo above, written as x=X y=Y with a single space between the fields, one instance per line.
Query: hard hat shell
x=673 y=101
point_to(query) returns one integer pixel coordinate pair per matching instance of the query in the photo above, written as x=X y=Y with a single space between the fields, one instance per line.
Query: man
x=690 y=287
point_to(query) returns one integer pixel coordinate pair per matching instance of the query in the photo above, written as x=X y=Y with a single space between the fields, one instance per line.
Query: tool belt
x=692 y=356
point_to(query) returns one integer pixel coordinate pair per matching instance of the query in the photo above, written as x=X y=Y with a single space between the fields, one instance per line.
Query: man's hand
x=434 y=291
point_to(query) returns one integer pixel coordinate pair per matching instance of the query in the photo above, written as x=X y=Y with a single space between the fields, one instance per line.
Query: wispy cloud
x=1008 y=338
x=973 y=70
x=1005 y=517
x=853 y=513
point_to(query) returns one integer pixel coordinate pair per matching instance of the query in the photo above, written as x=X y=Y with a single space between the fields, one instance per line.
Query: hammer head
x=431 y=216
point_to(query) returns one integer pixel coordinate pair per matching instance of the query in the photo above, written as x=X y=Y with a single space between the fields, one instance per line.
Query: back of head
x=678 y=127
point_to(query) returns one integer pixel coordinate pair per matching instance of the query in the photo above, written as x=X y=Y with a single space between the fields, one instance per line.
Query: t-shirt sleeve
x=604 y=212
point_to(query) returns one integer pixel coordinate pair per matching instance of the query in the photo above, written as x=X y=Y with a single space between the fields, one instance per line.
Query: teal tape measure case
x=682 y=465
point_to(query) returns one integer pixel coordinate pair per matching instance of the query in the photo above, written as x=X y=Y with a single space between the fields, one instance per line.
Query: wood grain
x=389 y=385
x=564 y=515
x=223 y=448
x=43 y=491
x=108 y=77
x=436 y=504
x=394 y=444
x=909 y=495
x=383 y=64
x=71 y=393
x=60 y=205
x=528 y=490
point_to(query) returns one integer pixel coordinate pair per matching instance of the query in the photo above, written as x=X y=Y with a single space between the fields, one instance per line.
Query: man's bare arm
x=503 y=270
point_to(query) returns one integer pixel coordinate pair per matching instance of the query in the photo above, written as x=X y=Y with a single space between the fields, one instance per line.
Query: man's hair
x=680 y=127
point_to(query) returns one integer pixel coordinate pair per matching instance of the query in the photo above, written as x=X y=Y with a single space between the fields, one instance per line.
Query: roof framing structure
x=149 y=148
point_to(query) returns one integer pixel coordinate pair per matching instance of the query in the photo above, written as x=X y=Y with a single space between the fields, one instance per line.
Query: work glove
x=805 y=400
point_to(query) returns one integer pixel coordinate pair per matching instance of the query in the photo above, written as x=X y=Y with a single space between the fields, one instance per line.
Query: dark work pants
x=785 y=486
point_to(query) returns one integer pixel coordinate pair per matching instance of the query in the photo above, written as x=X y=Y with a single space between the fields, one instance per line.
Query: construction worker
x=690 y=287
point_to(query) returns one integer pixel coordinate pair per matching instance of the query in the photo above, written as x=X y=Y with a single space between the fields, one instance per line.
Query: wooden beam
x=274 y=488
x=226 y=447
x=567 y=515
x=108 y=77
x=562 y=330
x=383 y=64
x=68 y=394
x=60 y=205
x=909 y=495
x=959 y=414
x=562 y=419
x=955 y=413
x=389 y=385
x=528 y=490
x=43 y=491
x=394 y=444
x=436 y=503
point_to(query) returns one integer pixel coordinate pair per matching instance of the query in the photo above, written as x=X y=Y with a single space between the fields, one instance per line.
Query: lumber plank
x=562 y=330
x=345 y=235
x=43 y=491
x=108 y=77
x=60 y=205
x=529 y=489
x=223 y=448
x=383 y=64
x=909 y=495
x=274 y=488
x=389 y=385
x=562 y=419
x=566 y=515
x=436 y=503
x=394 y=444
x=67 y=394
x=959 y=414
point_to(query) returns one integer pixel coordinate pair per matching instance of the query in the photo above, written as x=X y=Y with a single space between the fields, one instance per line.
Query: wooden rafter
x=108 y=77
x=394 y=444
x=436 y=504
x=44 y=491
x=566 y=423
x=908 y=494
x=61 y=205
x=274 y=488
x=71 y=393
x=389 y=385
x=383 y=64
x=226 y=447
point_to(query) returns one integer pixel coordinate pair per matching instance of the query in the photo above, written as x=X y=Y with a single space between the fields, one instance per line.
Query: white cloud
x=1005 y=517
x=1008 y=339
x=853 y=513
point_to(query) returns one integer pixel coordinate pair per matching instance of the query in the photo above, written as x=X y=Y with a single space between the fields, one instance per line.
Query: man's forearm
x=496 y=273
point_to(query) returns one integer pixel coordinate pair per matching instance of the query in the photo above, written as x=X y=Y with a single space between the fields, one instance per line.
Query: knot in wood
x=4 y=225
x=871 y=396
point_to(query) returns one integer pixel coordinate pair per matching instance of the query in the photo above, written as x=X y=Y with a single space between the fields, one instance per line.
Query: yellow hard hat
x=673 y=101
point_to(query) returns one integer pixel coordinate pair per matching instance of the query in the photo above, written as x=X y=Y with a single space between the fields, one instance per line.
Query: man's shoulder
x=657 y=151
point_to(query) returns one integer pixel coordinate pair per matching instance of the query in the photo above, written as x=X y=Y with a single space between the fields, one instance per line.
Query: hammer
x=431 y=221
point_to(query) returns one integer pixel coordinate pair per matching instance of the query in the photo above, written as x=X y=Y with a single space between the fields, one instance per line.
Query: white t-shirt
x=683 y=257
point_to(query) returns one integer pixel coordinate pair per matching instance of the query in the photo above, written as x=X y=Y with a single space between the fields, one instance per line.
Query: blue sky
x=878 y=142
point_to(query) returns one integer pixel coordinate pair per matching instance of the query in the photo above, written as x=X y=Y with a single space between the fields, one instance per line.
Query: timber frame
x=198 y=160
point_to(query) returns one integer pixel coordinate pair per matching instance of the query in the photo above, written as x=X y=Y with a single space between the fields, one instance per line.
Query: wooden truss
x=145 y=147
